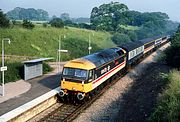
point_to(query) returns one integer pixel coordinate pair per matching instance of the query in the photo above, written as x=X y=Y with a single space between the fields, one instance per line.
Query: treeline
x=28 y=14
x=124 y=24
x=131 y=25
x=40 y=15
x=26 y=23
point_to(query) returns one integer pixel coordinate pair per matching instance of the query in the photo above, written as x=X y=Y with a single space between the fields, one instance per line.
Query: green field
x=128 y=27
x=43 y=42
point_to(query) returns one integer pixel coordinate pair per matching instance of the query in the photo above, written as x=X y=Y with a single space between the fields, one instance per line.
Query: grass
x=168 y=106
x=43 y=42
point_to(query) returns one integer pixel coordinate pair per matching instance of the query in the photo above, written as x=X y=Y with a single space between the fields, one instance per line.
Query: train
x=83 y=77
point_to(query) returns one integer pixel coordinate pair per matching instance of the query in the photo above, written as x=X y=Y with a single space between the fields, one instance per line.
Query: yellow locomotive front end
x=76 y=78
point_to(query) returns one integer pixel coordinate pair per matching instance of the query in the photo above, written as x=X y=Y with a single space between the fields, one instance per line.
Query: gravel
x=109 y=105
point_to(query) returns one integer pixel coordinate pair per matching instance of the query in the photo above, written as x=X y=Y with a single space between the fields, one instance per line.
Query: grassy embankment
x=43 y=42
x=168 y=106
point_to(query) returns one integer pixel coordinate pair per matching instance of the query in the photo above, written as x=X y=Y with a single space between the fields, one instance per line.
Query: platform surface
x=39 y=86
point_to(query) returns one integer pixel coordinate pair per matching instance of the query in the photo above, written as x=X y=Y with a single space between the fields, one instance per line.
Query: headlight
x=61 y=93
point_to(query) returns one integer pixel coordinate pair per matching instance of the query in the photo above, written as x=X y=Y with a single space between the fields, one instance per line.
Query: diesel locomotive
x=83 y=77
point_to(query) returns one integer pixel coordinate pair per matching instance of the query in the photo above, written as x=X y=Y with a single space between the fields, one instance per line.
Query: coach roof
x=147 y=40
x=131 y=45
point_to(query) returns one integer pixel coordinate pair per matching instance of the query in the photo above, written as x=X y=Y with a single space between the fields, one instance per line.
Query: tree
x=57 y=22
x=30 y=14
x=65 y=16
x=4 y=22
x=132 y=35
x=173 y=52
x=28 y=24
x=119 y=38
x=106 y=16
x=178 y=30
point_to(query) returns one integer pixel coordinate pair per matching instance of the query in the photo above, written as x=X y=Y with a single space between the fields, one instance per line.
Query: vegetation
x=168 y=107
x=120 y=39
x=43 y=42
x=29 y=14
x=107 y=16
x=46 y=68
x=116 y=17
x=14 y=71
x=57 y=22
x=4 y=22
x=173 y=52
x=65 y=16
x=28 y=24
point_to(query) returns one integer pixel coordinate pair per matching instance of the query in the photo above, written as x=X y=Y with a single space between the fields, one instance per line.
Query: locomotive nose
x=80 y=96
x=61 y=93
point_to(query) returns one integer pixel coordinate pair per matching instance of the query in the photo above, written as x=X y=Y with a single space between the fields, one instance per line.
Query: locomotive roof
x=80 y=63
x=131 y=45
x=102 y=57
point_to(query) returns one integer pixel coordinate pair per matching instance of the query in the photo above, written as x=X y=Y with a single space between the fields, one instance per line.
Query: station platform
x=38 y=87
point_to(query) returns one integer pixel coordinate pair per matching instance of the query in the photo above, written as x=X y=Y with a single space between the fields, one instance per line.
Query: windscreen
x=75 y=73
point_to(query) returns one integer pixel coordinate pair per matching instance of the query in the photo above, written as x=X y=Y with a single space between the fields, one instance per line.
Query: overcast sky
x=82 y=8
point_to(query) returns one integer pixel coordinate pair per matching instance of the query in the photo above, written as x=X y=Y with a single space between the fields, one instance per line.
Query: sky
x=82 y=8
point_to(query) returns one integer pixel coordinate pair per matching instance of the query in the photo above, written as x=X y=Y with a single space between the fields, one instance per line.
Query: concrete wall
x=35 y=110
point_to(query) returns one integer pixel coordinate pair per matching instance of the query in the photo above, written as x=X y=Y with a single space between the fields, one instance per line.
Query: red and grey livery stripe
x=104 y=77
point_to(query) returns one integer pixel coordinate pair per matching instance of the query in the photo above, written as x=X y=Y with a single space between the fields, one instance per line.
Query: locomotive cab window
x=75 y=73
x=120 y=52
x=90 y=76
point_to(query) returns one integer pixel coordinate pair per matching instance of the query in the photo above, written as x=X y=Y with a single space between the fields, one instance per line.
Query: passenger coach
x=134 y=51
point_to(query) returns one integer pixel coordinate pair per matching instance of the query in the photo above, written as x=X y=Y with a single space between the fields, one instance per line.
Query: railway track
x=61 y=114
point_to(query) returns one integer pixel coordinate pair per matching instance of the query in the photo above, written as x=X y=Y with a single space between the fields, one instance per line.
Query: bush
x=173 y=52
x=120 y=39
x=4 y=22
x=14 y=22
x=28 y=24
x=14 y=72
x=45 y=25
x=168 y=106
x=132 y=35
x=46 y=68
x=57 y=22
